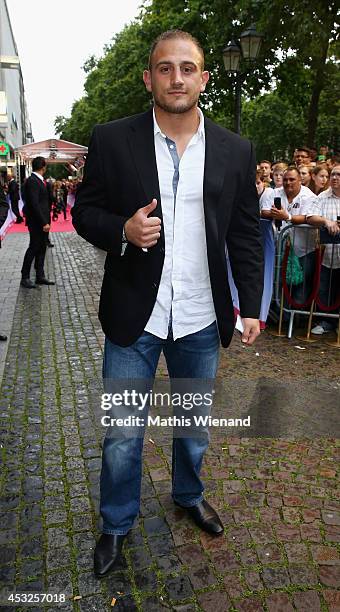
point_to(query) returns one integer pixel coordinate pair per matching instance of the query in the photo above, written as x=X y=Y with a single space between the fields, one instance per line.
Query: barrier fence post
x=279 y=333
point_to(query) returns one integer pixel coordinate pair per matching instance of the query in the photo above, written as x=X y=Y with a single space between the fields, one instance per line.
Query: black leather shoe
x=205 y=517
x=3 y=338
x=27 y=283
x=44 y=281
x=107 y=552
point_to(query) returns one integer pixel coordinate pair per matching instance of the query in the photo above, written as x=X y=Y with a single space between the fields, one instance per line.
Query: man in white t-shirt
x=298 y=203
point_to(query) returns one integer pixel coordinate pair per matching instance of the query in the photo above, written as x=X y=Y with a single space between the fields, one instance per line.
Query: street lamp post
x=247 y=50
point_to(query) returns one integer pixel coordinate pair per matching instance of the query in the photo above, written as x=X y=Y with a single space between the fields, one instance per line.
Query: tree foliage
x=289 y=95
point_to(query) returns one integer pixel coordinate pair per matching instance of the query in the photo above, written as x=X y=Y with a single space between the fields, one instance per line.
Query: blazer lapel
x=217 y=160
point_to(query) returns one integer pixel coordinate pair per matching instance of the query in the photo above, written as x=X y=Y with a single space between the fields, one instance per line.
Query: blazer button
x=162 y=250
x=154 y=285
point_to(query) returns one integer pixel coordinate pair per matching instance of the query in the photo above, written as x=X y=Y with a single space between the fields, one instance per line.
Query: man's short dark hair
x=292 y=169
x=265 y=161
x=305 y=149
x=171 y=35
x=38 y=163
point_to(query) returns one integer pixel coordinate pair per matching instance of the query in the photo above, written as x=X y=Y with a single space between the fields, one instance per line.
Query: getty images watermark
x=130 y=410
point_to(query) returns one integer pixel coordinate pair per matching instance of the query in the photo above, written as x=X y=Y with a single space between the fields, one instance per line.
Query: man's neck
x=336 y=192
x=291 y=197
x=178 y=125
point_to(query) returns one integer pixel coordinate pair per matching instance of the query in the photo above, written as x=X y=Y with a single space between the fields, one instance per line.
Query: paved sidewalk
x=278 y=497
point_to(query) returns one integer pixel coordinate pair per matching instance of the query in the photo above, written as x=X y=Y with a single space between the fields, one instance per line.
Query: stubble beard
x=176 y=109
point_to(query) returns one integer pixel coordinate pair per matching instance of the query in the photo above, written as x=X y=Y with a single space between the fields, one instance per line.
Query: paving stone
x=88 y=584
x=325 y=555
x=201 y=576
x=154 y=604
x=307 y=601
x=279 y=602
x=252 y=604
x=296 y=553
x=140 y=558
x=234 y=586
x=332 y=599
x=214 y=600
x=330 y=576
x=57 y=558
x=191 y=554
x=95 y=604
x=179 y=588
x=303 y=574
x=269 y=553
x=155 y=526
x=224 y=560
x=275 y=577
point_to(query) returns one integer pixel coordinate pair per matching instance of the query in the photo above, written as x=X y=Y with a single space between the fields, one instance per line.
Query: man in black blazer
x=14 y=195
x=164 y=193
x=37 y=215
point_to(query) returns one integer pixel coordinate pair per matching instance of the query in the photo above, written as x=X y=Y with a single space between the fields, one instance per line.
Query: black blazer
x=120 y=176
x=13 y=191
x=36 y=200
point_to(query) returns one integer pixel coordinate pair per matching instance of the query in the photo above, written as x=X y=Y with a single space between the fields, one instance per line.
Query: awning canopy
x=55 y=152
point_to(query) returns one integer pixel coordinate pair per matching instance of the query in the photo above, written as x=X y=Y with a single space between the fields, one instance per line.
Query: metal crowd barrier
x=291 y=297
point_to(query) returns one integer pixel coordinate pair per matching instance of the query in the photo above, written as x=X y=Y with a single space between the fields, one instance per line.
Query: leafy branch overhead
x=289 y=96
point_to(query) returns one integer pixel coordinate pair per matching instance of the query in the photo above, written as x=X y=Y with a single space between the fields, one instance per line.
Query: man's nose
x=177 y=77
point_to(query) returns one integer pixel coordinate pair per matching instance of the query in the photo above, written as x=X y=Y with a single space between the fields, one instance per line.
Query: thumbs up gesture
x=141 y=230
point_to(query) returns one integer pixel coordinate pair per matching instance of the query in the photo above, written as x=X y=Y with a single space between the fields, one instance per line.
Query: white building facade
x=15 y=127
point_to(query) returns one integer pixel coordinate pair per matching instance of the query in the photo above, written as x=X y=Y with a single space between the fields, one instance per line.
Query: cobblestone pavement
x=277 y=497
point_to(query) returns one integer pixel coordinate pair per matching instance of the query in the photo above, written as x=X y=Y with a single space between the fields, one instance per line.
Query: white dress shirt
x=184 y=293
x=304 y=204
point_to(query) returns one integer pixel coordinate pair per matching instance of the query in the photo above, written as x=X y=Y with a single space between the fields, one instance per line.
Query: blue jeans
x=194 y=356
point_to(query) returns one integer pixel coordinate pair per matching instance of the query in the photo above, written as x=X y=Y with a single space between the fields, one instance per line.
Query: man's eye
x=187 y=69
x=165 y=69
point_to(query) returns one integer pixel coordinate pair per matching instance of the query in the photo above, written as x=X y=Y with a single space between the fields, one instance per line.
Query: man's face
x=301 y=157
x=176 y=78
x=265 y=169
x=335 y=179
x=291 y=183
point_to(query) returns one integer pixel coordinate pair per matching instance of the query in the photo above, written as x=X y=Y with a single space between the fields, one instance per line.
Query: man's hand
x=141 y=230
x=251 y=329
x=279 y=214
x=46 y=228
x=332 y=227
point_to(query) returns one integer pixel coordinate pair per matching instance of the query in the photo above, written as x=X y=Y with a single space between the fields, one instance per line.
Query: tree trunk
x=318 y=86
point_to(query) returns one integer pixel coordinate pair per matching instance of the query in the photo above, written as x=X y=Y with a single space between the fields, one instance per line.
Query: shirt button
x=171 y=146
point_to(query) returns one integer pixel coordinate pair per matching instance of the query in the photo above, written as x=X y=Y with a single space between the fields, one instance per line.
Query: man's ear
x=205 y=79
x=147 y=80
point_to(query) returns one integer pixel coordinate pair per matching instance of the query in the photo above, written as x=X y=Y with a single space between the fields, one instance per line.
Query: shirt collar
x=39 y=176
x=200 y=130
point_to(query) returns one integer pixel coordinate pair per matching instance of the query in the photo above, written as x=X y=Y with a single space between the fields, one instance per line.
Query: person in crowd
x=3 y=216
x=133 y=165
x=37 y=213
x=14 y=196
x=302 y=156
x=261 y=187
x=329 y=212
x=65 y=194
x=313 y=154
x=306 y=175
x=323 y=153
x=266 y=168
x=320 y=179
x=298 y=203
x=278 y=171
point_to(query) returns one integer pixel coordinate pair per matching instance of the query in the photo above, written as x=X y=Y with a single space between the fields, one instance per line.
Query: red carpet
x=57 y=226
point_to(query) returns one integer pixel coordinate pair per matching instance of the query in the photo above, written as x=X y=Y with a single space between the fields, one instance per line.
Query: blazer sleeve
x=92 y=217
x=32 y=190
x=244 y=242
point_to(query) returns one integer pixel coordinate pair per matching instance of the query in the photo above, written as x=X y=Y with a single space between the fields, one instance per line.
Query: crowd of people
x=307 y=191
